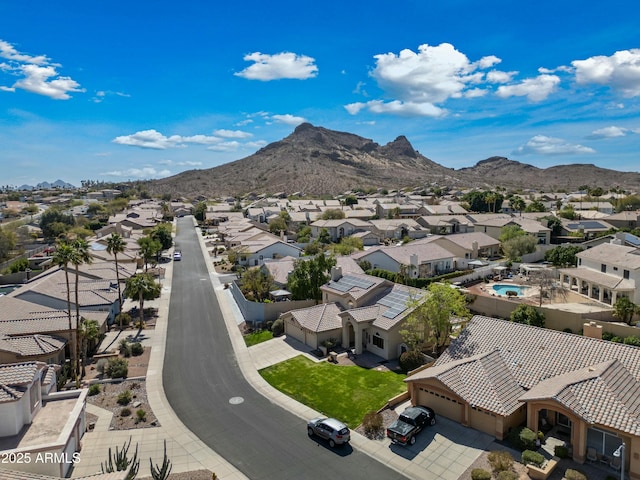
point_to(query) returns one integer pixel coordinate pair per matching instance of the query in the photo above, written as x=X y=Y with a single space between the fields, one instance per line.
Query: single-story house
x=497 y=375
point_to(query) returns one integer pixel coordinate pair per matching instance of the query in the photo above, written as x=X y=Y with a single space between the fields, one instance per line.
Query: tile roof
x=319 y=318
x=587 y=375
x=32 y=345
x=612 y=254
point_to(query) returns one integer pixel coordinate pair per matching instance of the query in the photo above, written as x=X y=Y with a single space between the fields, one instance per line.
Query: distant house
x=415 y=259
x=339 y=228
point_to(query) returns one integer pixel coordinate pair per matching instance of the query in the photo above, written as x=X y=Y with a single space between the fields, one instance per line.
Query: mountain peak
x=400 y=147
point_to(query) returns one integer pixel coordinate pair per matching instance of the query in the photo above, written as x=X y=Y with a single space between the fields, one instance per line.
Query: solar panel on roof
x=632 y=239
x=348 y=282
x=397 y=301
x=589 y=225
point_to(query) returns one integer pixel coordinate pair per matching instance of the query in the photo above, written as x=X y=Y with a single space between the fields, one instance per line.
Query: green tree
x=536 y=206
x=201 y=211
x=54 y=223
x=149 y=249
x=511 y=231
x=141 y=287
x=277 y=225
x=95 y=208
x=625 y=309
x=517 y=203
x=62 y=257
x=332 y=214
x=435 y=312
x=563 y=256
x=568 y=212
x=347 y=246
x=115 y=245
x=256 y=284
x=528 y=315
x=8 y=241
x=324 y=237
x=553 y=223
x=308 y=276
x=350 y=200
x=516 y=247
x=162 y=233
x=304 y=234
x=30 y=209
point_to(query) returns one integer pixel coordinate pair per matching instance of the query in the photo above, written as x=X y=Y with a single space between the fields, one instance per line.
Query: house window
x=603 y=268
x=625 y=274
x=378 y=341
x=604 y=442
x=261 y=257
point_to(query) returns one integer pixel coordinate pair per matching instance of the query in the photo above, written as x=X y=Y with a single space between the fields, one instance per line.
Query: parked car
x=409 y=424
x=177 y=256
x=330 y=429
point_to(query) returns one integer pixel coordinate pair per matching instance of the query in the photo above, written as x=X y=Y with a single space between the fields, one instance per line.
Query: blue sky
x=122 y=91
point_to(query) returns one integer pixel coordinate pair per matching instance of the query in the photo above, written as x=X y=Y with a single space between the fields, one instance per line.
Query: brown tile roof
x=599 y=380
x=32 y=345
x=319 y=318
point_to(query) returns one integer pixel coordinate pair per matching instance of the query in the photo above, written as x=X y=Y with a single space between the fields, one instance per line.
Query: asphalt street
x=206 y=389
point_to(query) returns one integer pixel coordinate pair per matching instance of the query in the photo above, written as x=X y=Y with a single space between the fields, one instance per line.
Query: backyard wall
x=257 y=313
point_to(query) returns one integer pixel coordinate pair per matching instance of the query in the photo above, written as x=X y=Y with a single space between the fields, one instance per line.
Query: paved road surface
x=206 y=389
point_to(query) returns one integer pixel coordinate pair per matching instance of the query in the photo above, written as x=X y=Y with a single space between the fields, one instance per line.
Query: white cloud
x=256 y=144
x=181 y=163
x=38 y=74
x=101 y=95
x=281 y=65
x=475 y=93
x=432 y=75
x=156 y=140
x=488 y=61
x=608 y=132
x=225 y=147
x=142 y=173
x=288 y=119
x=232 y=134
x=620 y=71
x=497 y=76
x=408 y=109
x=543 y=145
x=535 y=89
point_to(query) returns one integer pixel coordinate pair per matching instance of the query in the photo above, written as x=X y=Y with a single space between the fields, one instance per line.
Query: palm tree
x=491 y=198
x=62 y=257
x=149 y=249
x=142 y=287
x=517 y=203
x=89 y=330
x=116 y=245
x=80 y=256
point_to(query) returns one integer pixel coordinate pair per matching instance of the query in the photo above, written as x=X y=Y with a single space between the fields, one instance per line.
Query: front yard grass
x=344 y=392
x=257 y=337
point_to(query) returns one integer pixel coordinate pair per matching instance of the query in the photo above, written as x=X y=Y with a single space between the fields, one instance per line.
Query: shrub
x=523 y=438
x=137 y=349
x=94 y=389
x=124 y=348
x=141 y=415
x=480 y=474
x=100 y=366
x=124 y=398
x=635 y=341
x=123 y=318
x=561 y=451
x=372 y=423
x=508 y=475
x=535 y=458
x=117 y=368
x=410 y=360
x=500 y=461
x=278 y=327
x=125 y=412
x=574 y=475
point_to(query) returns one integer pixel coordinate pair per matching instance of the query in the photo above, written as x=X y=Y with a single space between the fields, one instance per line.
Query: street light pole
x=620 y=453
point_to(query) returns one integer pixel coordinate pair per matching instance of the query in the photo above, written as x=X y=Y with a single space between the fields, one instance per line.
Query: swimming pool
x=502 y=289
x=4 y=289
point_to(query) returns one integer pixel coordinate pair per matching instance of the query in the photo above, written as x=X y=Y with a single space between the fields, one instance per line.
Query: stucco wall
x=11 y=419
x=257 y=312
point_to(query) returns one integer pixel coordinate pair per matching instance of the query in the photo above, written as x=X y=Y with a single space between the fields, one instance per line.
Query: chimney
x=413 y=259
x=474 y=249
x=619 y=238
x=336 y=273
x=592 y=330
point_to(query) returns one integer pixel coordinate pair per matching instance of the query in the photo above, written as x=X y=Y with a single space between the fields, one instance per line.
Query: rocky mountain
x=319 y=161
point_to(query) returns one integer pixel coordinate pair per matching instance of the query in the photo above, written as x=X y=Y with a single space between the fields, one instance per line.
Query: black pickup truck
x=409 y=424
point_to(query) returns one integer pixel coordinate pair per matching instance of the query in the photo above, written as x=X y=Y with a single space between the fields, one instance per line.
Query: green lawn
x=344 y=392
x=258 y=337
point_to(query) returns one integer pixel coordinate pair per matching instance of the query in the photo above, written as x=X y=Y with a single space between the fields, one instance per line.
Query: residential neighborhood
x=502 y=321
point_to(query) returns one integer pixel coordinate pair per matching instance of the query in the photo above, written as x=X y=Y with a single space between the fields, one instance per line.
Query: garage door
x=483 y=421
x=443 y=405
x=292 y=329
